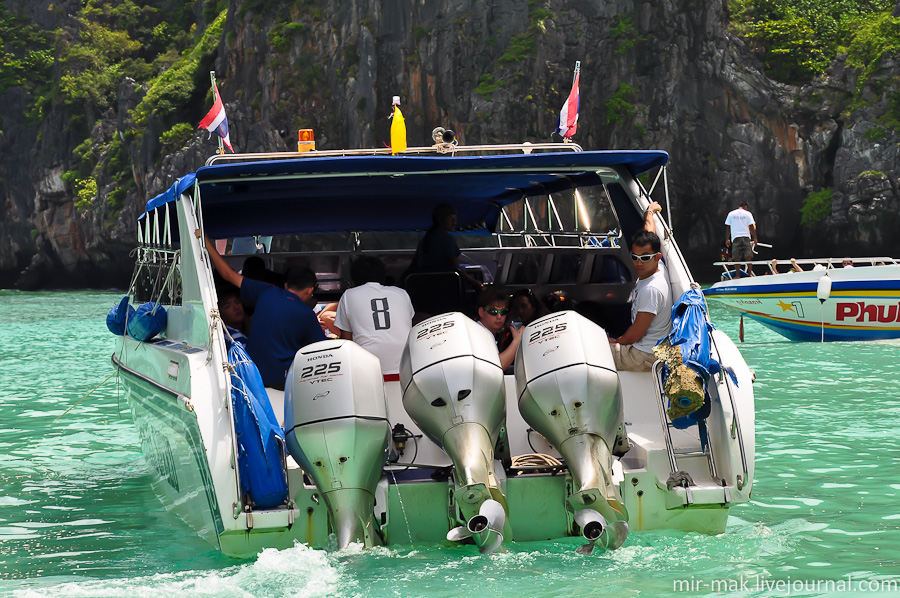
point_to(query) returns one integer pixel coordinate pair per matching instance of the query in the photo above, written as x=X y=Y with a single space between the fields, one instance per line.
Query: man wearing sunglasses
x=651 y=303
x=493 y=311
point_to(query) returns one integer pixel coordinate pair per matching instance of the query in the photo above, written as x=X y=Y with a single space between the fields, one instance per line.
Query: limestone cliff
x=665 y=74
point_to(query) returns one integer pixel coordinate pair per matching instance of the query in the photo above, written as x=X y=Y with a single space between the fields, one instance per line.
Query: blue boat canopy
x=171 y=194
x=385 y=193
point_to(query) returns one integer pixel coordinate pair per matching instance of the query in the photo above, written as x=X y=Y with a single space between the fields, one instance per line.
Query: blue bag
x=260 y=439
x=118 y=315
x=145 y=324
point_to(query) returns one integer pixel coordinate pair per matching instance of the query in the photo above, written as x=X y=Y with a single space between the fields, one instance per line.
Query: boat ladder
x=679 y=477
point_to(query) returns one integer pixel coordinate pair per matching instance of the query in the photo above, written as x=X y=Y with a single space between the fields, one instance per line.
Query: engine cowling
x=453 y=390
x=569 y=392
x=566 y=379
x=336 y=428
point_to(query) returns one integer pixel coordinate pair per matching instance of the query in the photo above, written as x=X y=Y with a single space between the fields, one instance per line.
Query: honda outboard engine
x=336 y=428
x=569 y=392
x=453 y=390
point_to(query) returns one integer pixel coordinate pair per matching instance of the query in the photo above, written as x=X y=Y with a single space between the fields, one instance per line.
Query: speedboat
x=820 y=299
x=456 y=449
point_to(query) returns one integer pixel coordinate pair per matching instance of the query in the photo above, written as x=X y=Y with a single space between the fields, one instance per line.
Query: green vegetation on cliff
x=816 y=207
x=93 y=49
x=26 y=55
x=796 y=40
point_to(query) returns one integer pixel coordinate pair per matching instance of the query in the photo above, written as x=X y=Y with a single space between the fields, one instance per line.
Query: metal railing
x=827 y=262
x=438 y=149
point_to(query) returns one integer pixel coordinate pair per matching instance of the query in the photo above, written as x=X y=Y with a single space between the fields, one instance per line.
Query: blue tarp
x=351 y=194
x=173 y=193
x=690 y=332
x=148 y=321
x=259 y=437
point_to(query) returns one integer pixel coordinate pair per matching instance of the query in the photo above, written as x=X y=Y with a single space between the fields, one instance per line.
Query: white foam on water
x=12 y=501
x=833 y=530
x=771 y=506
x=810 y=502
x=298 y=572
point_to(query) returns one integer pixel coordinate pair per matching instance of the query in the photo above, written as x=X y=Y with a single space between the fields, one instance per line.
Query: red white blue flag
x=215 y=120
x=568 y=116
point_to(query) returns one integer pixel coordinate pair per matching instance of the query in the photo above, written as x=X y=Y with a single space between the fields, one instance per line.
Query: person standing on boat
x=741 y=232
x=651 y=303
x=282 y=322
x=376 y=317
x=438 y=251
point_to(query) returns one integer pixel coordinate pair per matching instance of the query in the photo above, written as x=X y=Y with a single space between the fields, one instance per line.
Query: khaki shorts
x=629 y=359
x=741 y=250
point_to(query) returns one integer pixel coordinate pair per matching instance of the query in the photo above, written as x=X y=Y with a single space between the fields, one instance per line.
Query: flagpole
x=574 y=77
x=212 y=82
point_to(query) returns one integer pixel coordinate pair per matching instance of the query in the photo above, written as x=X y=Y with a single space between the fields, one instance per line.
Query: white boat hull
x=180 y=395
x=864 y=303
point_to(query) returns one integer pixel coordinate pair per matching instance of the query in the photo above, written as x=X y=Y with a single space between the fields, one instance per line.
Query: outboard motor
x=569 y=392
x=336 y=428
x=453 y=390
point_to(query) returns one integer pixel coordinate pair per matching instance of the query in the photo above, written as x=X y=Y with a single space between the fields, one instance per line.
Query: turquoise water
x=78 y=517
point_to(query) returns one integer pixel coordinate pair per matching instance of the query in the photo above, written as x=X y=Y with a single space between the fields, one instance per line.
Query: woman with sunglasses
x=493 y=312
x=525 y=307
x=651 y=304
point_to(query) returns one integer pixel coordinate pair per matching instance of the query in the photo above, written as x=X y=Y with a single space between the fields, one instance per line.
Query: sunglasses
x=497 y=312
x=644 y=258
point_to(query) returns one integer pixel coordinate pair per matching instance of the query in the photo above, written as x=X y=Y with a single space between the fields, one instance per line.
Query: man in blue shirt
x=282 y=322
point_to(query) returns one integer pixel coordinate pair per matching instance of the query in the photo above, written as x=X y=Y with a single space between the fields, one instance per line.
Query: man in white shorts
x=376 y=317
x=741 y=231
x=651 y=304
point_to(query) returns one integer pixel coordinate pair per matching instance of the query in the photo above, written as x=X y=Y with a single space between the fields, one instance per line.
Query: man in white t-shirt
x=741 y=234
x=376 y=317
x=651 y=304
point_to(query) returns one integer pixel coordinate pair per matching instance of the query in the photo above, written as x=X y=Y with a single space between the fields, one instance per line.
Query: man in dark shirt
x=438 y=251
x=282 y=322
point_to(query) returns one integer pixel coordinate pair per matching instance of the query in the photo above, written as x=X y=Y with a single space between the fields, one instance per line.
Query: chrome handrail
x=828 y=261
x=660 y=393
x=736 y=426
x=413 y=151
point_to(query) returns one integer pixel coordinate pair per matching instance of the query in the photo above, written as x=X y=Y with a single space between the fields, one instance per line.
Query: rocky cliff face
x=666 y=74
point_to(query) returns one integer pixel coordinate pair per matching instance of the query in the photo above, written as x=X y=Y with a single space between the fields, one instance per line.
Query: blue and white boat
x=824 y=302
x=566 y=446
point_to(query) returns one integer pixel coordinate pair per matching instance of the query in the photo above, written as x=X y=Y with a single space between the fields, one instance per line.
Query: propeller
x=596 y=530
x=486 y=527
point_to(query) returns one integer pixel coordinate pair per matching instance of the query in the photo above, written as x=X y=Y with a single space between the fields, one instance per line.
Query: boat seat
x=276 y=398
x=436 y=293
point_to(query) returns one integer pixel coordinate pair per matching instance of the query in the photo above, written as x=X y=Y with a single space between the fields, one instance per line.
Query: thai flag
x=568 y=116
x=216 y=121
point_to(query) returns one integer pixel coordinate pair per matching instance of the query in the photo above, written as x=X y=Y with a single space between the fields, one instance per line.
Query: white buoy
x=823 y=292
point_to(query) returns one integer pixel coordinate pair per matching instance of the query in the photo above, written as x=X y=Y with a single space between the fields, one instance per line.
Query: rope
x=158 y=289
x=533 y=459
x=116 y=371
